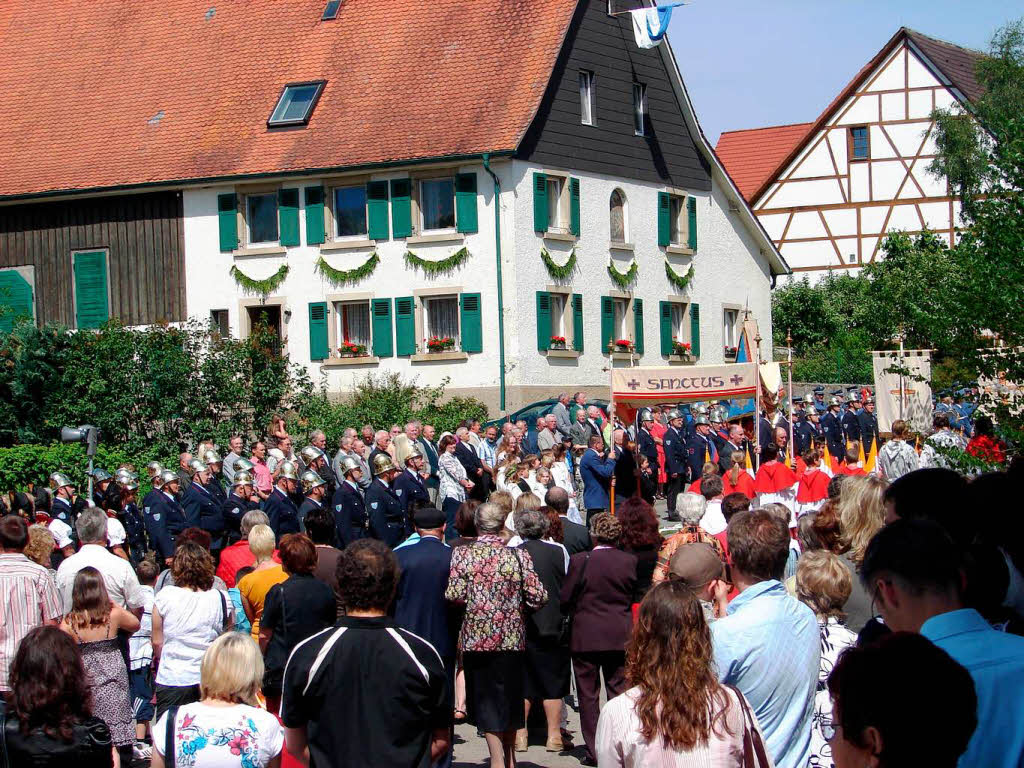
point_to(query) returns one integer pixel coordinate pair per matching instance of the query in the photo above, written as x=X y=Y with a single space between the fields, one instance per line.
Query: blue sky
x=749 y=64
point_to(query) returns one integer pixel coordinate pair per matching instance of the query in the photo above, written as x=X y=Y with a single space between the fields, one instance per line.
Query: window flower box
x=440 y=344
x=620 y=345
x=557 y=342
x=730 y=353
x=681 y=349
x=348 y=349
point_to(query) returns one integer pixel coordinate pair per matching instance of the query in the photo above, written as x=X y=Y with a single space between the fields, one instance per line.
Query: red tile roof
x=108 y=93
x=751 y=155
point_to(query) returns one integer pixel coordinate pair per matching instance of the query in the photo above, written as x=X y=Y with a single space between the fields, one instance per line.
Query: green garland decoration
x=680 y=282
x=260 y=287
x=339 y=277
x=620 y=279
x=443 y=266
x=559 y=271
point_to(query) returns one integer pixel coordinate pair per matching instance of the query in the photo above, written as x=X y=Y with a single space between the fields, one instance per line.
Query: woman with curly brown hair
x=187 y=617
x=640 y=537
x=49 y=709
x=676 y=714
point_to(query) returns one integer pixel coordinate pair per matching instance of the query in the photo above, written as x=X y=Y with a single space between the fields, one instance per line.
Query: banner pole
x=757 y=404
x=789 y=346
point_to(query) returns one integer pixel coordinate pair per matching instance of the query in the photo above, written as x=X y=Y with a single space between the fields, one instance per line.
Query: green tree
x=981 y=152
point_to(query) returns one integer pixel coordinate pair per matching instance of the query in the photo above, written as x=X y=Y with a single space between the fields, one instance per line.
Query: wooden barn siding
x=144 y=236
x=604 y=45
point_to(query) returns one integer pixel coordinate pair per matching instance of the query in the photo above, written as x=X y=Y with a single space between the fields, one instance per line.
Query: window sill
x=680 y=360
x=433 y=357
x=360 y=360
x=346 y=245
x=730 y=358
x=437 y=237
x=561 y=237
x=625 y=355
x=621 y=246
x=262 y=250
x=567 y=353
x=680 y=249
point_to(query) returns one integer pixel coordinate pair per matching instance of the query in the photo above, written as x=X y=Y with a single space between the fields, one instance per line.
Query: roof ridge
x=767 y=127
x=939 y=40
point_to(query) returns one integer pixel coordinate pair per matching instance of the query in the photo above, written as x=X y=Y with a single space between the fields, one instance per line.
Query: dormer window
x=296 y=104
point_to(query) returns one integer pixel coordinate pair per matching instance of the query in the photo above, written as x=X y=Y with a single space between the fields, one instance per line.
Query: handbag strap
x=754 y=753
x=223 y=611
x=170 y=729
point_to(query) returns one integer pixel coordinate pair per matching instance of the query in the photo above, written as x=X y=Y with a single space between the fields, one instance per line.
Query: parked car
x=530 y=413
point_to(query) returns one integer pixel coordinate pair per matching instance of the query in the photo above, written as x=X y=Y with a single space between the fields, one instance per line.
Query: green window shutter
x=577 y=322
x=470 y=328
x=665 y=320
x=15 y=298
x=664 y=211
x=405 y=326
x=377 y=210
x=638 y=326
x=288 y=215
x=91 y=307
x=314 y=215
x=607 y=322
x=319 y=347
x=540 y=202
x=465 y=202
x=401 y=207
x=574 y=206
x=380 y=322
x=543 y=320
x=227 y=219
x=691 y=213
x=695 y=330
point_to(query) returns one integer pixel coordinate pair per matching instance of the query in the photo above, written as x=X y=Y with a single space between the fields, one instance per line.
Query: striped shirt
x=29 y=599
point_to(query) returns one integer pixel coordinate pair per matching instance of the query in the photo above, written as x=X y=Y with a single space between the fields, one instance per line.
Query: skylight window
x=331 y=11
x=296 y=104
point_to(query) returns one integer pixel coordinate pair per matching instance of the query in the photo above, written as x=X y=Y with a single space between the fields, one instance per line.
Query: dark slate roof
x=958 y=64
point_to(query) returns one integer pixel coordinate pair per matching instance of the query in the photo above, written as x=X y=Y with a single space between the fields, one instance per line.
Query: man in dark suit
x=163 y=516
x=202 y=508
x=700 y=448
x=808 y=431
x=312 y=457
x=387 y=516
x=238 y=502
x=735 y=442
x=409 y=484
x=851 y=420
x=280 y=509
x=470 y=462
x=575 y=537
x=645 y=444
x=530 y=437
x=430 y=454
x=314 y=490
x=596 y=469
x=675 y=461
x=350 y=519
x=832 y=426
x=868 y=426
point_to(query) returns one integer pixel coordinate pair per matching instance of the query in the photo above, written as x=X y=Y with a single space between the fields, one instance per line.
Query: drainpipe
x=501 y=302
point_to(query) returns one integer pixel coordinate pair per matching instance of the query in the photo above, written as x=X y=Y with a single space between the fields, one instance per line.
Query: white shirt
x=140 y=645
x=118 y=574
x=713 y=521
x=192 y=620
x=213 y=735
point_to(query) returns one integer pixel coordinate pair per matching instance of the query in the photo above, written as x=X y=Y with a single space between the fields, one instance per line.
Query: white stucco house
x=494 y=196
x=828 y=192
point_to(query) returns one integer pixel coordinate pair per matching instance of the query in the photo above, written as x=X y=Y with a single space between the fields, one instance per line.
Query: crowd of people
x=793 y=607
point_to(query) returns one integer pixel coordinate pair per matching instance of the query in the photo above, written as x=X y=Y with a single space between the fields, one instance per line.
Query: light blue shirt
x=995 y=661
x=768 y=647
x=488 y=452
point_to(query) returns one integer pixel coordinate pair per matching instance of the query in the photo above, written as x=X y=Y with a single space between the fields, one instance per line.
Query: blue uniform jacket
x=350 y=520
x=283 y=514
x=408 y=487
x=420 y=606
x=202 y=508
x=833 y=430
x=164 y=519
x=387 y=516
x=675 y=452
x=698 y=450
x=596 y=471
x=233 y=510
x=851 y=426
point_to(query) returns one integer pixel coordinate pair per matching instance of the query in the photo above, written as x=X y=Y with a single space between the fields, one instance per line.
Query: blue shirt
x=768 y=647
x=995 y=661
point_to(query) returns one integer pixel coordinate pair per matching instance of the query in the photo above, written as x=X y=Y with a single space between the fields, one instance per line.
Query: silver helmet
x=195 y=466
x=154 y=468
x=309 y=454
x=702 y=419
x=382 y=463
x=242 y=465
x=168 y=476
x=59 y=480
x=212 y=457
x=414 y=452
x=287 y=470
x=673 y=413
x=311 y=480
x=242 y=478
x=99 y=475
x=646 y=415
x=348 y=464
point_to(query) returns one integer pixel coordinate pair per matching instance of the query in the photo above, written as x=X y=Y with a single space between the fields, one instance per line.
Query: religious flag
x=869 y=464
x=651 y=24
x=828 y=458
x=860 y=452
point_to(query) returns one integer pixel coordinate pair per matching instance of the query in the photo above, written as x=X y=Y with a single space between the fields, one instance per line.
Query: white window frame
x=419 y=221
x=639 y=109
x=563 y=206
x=587 y=111
x=420 y=298
x=334 y=212
x=559 y=322
x=731 y=329
x=681 y=244
x=334 y=338
x=626 y=330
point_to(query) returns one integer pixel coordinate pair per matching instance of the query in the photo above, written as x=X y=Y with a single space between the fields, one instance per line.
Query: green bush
x=383 y=400
x=32 y=463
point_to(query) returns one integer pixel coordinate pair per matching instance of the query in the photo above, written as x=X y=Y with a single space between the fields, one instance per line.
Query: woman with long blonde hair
x=861 y=515
x=737 y=479
x=676 y=714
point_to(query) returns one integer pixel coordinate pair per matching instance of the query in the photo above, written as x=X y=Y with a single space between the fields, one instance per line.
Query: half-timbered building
x=827 y=192
x=494 y=192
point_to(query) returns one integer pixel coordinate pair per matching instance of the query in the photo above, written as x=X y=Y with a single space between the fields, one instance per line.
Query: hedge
x=33 y=463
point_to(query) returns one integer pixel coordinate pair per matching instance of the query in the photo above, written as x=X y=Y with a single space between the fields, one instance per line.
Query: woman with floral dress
x=496 y=585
